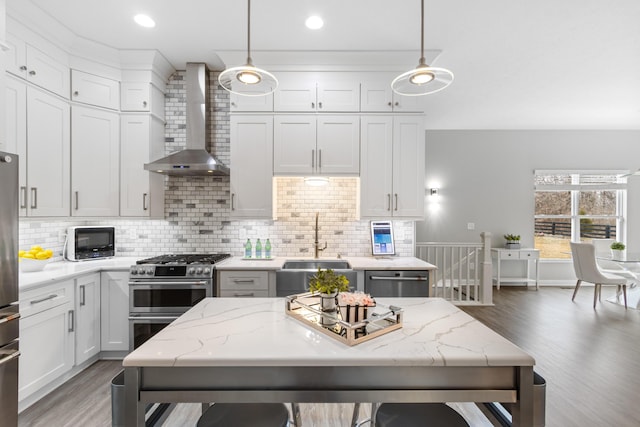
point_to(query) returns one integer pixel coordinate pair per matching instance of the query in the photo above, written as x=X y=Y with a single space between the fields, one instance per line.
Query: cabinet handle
x=233 y=104
x=71 y=321
x=244 y=294
x=82 y=295
x=313 y=105
x=144 y=202
x=319 y=158
x=34 y=197
x=9 y=356
x=23 y=68
x=37 y=301
x=76 y=93
x=396 y=199
x=144 y=103
x=389 y=104
x=313 y=159
x=32 y=73
x=23 y=197
x=397 y=104
x=388 y=201
x=319 y=104
x=76 y=200
x=233 y=197
x=243 y=280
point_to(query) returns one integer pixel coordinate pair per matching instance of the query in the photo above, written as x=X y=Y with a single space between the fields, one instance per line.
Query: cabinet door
x=16 y=132
x=16 y=56
x=408 y=167
x=87 y=318
x=295 y=94
x=338 y=96
x=48 y=155
x=376 y=174
x=46 y=72
x=294 y=145
x=338 y=145
x=94 y=90
x=95 y=170
x=376 y=95
x=46 y=348
x=252 y=166
x=251 y=103
x=114 y=310
x=135 y=96
x=134 y=153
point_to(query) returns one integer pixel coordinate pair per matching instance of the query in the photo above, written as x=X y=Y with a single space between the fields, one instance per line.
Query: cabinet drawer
x=244 y=293
x=41 y=299
x=244 y=280
x=509 y=254
x=529 y=254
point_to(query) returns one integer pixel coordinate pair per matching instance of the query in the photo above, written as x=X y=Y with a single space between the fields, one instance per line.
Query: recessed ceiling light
x=144 y=21
x=314 y=22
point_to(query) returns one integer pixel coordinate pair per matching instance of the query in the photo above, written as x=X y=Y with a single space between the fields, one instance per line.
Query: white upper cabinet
x=94 y=90
x=252 y=166
x=141 y=191
x=141 y=97
x=316 y=145
x=240 y=103
x=311 y=92
x=392 y=175
x=37 y=67
x=376 y=96
x=95 y=140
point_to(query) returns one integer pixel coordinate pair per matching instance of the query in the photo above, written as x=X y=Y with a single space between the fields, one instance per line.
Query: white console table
x=502 y=255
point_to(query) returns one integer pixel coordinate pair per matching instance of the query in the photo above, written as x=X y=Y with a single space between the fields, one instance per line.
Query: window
x=577 y=206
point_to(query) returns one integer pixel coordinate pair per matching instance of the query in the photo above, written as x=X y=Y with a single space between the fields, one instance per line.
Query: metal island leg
x=134 y=410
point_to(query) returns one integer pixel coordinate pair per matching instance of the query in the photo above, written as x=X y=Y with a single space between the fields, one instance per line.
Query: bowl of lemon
x=34 y=259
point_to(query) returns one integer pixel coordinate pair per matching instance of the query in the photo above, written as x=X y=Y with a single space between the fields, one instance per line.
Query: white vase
x=618 y=254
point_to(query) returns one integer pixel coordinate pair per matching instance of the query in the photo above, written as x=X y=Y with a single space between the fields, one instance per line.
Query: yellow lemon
x=37 y=248
x=28 y=255
x=21 y=253
x=49 y=253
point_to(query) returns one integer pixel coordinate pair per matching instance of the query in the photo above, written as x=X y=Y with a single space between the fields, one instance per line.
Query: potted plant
x=513 y=241
x=617 y=250
x=328 y=284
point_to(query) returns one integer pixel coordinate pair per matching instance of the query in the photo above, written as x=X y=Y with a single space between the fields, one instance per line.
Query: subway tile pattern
x=197 y=208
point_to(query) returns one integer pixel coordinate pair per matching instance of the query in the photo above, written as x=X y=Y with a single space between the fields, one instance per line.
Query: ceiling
x=545 y=64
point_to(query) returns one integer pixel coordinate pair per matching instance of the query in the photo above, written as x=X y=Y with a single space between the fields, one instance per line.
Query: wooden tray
x=382 y=319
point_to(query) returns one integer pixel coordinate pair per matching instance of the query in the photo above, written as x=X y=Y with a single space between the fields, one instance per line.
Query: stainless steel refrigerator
x=9 y=313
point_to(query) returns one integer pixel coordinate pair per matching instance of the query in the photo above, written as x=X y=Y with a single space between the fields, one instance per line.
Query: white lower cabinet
x=46 y=336
x=247 y=284
x=87 y=317
x=114 y=310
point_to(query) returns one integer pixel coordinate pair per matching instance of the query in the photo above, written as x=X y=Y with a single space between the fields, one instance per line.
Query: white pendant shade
x=248 y=80
x=423 y=79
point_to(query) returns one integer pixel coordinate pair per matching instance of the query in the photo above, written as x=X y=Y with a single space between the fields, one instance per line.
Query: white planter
x=512 y=245
x=618 y=254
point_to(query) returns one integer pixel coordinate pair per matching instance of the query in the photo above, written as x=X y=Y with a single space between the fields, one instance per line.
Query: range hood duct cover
x=194 y=160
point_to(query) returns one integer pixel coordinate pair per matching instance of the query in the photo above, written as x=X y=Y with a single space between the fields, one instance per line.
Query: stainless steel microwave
x=90 y=242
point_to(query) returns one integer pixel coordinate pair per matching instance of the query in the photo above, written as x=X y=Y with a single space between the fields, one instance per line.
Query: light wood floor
x=589 y=358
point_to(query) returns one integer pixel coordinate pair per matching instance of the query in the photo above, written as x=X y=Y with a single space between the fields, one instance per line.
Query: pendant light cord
x=422 y=61
x=249 y=32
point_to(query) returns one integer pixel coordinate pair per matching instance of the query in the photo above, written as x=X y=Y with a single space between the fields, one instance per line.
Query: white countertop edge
x=357 y=263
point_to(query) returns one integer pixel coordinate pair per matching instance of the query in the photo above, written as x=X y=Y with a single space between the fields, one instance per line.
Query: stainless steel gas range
x=164 y=287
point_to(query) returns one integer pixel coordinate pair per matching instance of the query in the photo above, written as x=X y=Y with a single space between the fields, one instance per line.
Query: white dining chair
x=586 y=270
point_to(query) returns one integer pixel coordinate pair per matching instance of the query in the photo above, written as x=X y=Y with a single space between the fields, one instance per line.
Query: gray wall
x=486 y=177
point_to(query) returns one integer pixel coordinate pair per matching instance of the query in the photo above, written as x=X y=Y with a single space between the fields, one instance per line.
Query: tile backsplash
x=197 y=208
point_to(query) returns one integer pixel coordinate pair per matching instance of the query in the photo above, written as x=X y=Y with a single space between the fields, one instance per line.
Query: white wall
x=486 y=177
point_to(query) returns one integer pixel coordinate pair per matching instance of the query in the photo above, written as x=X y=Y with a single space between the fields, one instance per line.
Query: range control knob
x=150 y=271
x=199 y=270
x=134 y=271
x=207 y=270
x=192 y=270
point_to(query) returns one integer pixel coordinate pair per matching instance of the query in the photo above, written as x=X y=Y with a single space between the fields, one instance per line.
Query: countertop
x=61 y=270
x=227 y=332
x=357 y=263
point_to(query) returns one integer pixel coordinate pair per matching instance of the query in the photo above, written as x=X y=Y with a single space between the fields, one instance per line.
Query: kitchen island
x=244 y=350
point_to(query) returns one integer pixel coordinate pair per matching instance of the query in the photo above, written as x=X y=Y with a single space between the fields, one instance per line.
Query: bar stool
x=248 y=414
x=412 y=415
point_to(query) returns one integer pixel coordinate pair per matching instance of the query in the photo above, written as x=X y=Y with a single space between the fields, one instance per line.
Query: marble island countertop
x=258 y=332
x=357 y=263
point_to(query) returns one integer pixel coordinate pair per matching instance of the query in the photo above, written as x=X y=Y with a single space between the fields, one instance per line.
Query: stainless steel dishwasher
x=397 y=283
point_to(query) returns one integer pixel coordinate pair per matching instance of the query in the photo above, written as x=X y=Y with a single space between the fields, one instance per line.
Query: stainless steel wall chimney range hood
x=194 y=160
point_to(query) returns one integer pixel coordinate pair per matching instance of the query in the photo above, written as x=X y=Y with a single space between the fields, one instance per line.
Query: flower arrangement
x=354 y=306
x=618 y=246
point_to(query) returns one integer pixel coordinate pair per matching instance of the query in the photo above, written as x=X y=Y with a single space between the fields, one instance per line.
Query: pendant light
x=423 y=79
x=248 y=80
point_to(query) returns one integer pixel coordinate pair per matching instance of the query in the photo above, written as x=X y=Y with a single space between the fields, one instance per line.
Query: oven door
x=147 y=297
x=141 y=328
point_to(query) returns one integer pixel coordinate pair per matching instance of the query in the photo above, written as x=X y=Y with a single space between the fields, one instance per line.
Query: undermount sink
x=294 y=276
x=314 y=264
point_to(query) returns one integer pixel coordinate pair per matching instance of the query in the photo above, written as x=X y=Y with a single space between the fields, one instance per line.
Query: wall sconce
x=433 y=191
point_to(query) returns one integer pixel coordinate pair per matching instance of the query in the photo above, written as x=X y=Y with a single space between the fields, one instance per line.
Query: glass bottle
x=247 y=249
x=258 y=249
x=267 y=249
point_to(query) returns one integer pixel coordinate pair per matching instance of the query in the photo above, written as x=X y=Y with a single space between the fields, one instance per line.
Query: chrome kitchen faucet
x=316 y=243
